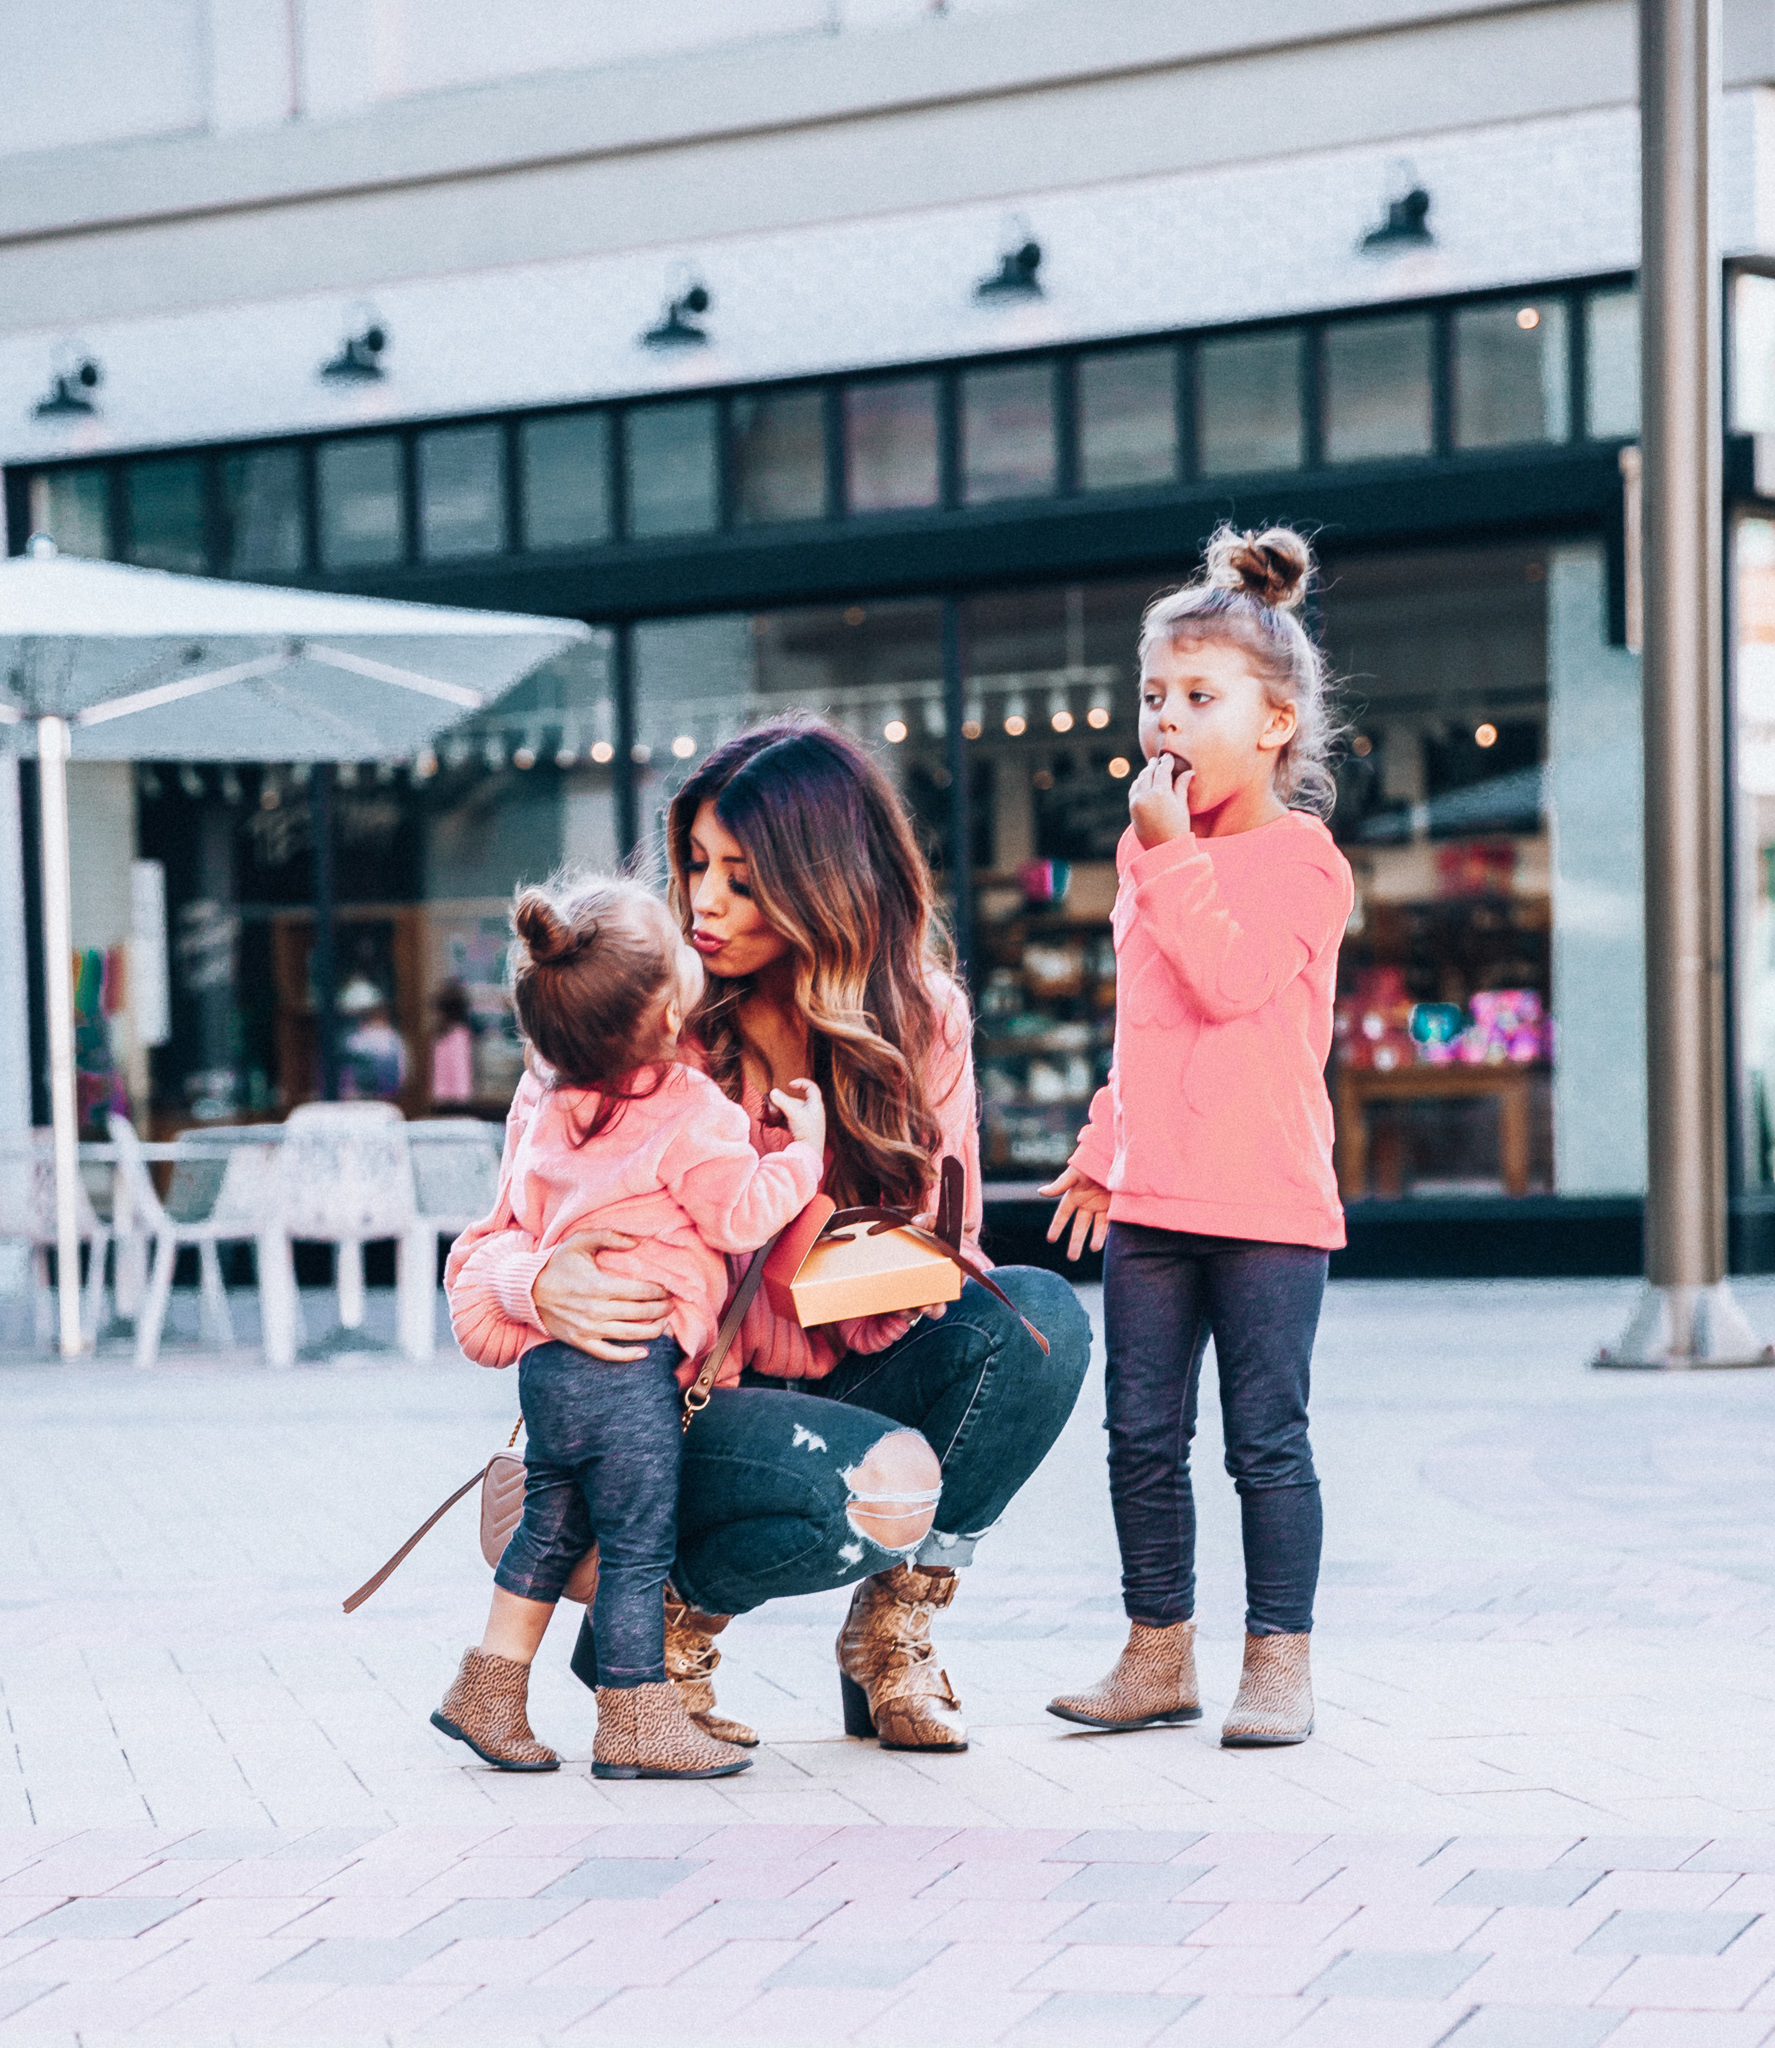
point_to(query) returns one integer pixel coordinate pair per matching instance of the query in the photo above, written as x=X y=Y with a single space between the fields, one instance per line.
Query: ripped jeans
x=765 y=1489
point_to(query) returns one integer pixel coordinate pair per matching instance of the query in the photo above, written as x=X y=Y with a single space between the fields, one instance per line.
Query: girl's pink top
x=675 y=1169
x=1216 y=1119
x=493 y=1265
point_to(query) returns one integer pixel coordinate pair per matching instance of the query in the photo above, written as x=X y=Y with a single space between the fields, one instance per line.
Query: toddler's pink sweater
x=675 y=1169
x=1216 y=1119
x=493 y=1265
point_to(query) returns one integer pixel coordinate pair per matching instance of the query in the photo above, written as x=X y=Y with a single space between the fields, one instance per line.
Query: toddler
x=626 y=1138
x=1206 y=1165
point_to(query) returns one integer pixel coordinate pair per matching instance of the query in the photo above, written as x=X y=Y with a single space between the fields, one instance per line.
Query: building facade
x=883 y=359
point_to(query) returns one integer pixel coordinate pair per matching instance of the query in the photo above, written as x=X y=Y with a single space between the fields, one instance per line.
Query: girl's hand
x=1086 y=1201
x=597 y=1312
x=926 y=1219
x=1158 y=802
x=803 y=1113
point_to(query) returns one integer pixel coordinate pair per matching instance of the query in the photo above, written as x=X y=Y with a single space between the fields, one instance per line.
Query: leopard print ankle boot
x=1153 y=1684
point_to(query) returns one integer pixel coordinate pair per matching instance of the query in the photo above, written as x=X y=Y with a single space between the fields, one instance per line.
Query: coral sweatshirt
x=1216 y=1119
x=675 y=1169
x=493 y=1265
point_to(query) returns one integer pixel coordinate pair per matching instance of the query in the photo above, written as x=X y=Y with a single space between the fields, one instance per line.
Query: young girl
x=1206 y=1165
x=603 y=983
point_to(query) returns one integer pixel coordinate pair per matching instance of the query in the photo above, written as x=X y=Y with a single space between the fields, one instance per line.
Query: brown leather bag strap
x=897 y=1219
x=424 y=1529
x=696 y=1395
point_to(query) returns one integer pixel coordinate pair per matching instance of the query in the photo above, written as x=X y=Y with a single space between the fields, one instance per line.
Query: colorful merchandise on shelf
x=1508 y=1027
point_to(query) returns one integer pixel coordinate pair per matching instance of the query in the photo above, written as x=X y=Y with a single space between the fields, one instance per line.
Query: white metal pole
x=58 y=954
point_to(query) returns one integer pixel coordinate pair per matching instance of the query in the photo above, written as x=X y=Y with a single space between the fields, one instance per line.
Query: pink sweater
x=1216 y=1119
x=493 y=1265
x=676 y=1169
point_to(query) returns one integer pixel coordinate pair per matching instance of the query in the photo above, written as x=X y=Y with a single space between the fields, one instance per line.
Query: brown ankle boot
x=1153 y=1684
x=892 y=1688
x=691 y=1658
x=1275 y=1702
x=487 y=1707
x=644 y=1732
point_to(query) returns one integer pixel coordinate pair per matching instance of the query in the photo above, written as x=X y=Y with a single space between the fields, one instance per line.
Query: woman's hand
x=1158 y=803
x=595 y=1311
x=1086 y=1201
x=803 y=1111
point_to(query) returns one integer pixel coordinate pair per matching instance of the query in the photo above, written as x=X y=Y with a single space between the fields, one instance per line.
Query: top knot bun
x=548 y=938
x=1272 y=567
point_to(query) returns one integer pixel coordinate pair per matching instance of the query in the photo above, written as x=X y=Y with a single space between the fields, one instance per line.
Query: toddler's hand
x=803 y=1113
x=1086 y=1201
x=1158 y=801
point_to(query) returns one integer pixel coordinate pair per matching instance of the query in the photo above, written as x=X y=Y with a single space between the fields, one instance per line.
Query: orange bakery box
x=853 y=1273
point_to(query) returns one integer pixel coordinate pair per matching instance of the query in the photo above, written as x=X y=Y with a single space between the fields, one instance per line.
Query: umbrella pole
x=58 y=955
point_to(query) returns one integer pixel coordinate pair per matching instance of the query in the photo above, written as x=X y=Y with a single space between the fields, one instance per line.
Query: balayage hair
x=834 y=867
x=1247 y=594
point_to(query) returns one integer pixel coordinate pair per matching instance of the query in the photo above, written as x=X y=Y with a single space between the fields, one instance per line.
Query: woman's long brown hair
x=834 y=868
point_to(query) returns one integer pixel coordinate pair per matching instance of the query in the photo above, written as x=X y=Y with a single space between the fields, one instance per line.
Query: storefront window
x=1377 y=389
x=1007 y=432
x=1611 y=365
x=673 y=477
x=1755 y=812
x=73 y=506
x=166 y=514
x=1127 y=418
x=462 y=492
x=564 y=462
x=779 y=457
x=1753 y=354
x=1511 y=374
x=362 y=513
x=890 y=444
x=1248 y=404
x=262 y=513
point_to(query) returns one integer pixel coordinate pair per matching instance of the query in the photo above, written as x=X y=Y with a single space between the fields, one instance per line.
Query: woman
x=877 y=1451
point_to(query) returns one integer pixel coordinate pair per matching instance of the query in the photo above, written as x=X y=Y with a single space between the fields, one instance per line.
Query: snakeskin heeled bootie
x=487 y=1707
x=644 y=1732
x=1153 y=1684
x=1275 y=1702
x=887 y=1674
x=691 y=1658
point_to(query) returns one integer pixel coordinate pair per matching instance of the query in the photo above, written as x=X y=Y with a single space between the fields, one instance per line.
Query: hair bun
x=548 y=938
x=1272 y=566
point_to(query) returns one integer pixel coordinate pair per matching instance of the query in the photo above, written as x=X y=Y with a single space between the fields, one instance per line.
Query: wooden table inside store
x=1359 y=1088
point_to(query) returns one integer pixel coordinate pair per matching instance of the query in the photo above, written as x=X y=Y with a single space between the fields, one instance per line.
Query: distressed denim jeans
x=762 y=1507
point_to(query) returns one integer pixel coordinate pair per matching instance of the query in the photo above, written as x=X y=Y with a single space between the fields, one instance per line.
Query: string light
x=683 y=747
x=425 y=765
x=1059 y=711
x=1016 y=715
x=603 y=753
x=1119 y=767
x=524 y=756
x=1099 y=714
x=1485 y=736
x=894 y=731
x=1529 y=319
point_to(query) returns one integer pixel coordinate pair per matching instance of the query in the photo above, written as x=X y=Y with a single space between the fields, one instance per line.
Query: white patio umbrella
x=99 y=661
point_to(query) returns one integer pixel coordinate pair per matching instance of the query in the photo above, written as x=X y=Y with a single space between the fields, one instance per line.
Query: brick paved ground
x=1540 y=1809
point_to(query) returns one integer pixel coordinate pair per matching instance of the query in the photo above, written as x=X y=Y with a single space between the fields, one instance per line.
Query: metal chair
x=212 y=1201
x=344 y=1177
x=27 y=1215
x=455 y=1178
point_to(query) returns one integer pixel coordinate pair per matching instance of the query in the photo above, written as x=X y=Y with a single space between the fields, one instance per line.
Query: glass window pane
x=362 y=516
x=1377 y=389
x=166 y=514
x=673 y=484
x=1754 y=617
x=1753 y=354
x=1611 y=365
x=890 y=444
x=73 y=506
x=262 y=513
x=462 y=492
x=779 y=457
x=1248 y=403
x=1007 y=432
x=1127 y=418
x=566 y=473
x=1511 y=374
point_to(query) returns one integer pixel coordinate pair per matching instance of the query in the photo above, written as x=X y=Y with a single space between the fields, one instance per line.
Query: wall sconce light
x=359 y=360
x=67 y=395
x=493 y=753
x=457 y=754
x=603 y=753
x=674 y=329
x=936 y=722
x=567 y=752
x=1015 y=277
x=1407 y=225
x=1100 y=712
x=425 y=765
x=1059 y=711
x=973 y=722
x=1016 y=715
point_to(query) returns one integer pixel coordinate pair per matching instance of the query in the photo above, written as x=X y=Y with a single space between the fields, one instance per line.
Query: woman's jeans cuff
x=950 y=1552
